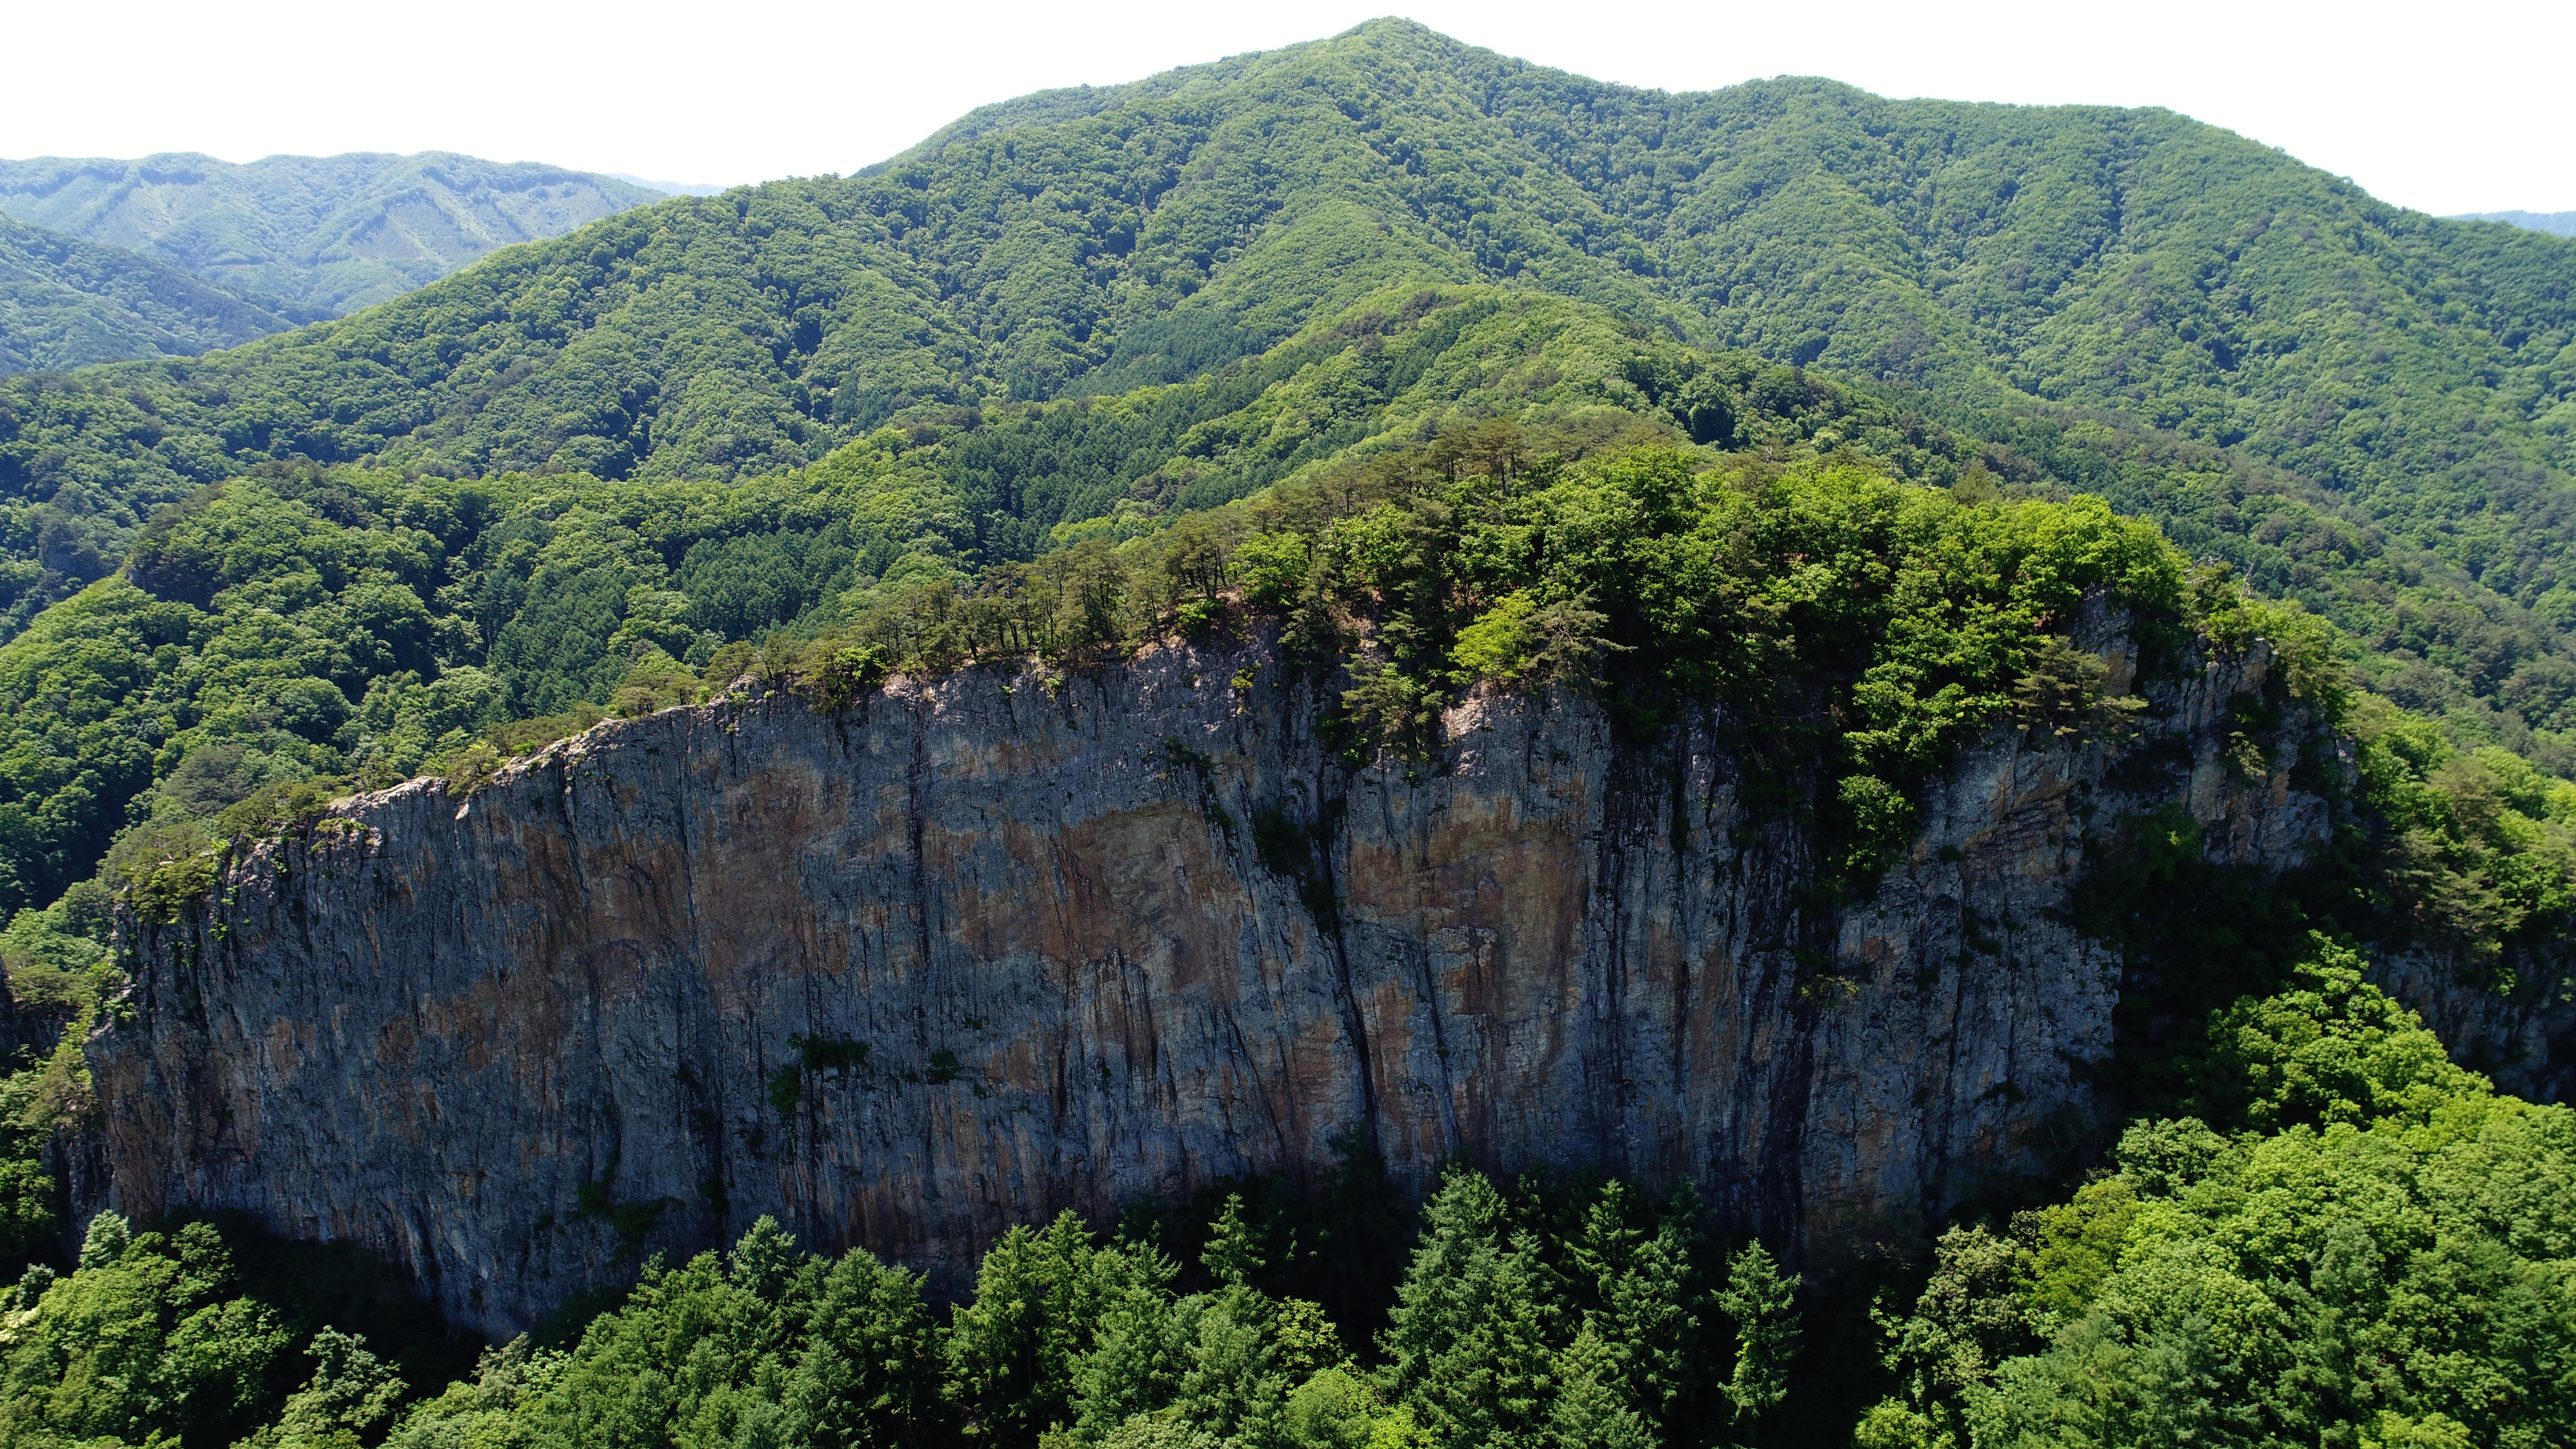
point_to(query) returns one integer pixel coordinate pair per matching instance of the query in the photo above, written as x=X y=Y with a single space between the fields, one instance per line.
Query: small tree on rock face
x=1764 y=1307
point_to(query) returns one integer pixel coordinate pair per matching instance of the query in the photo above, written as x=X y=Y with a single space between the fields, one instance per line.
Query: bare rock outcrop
x=990 y=947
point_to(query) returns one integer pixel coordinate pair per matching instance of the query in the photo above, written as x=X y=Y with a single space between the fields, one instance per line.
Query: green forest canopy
x=2261 y=358
x=67 y=303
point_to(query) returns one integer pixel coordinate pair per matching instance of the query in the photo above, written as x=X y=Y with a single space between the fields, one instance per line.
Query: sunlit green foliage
x=765 y=1345
x=1841 y=615
x=2363 y=406
x=304 y=625
x=2480 y=854
x=2355 y=1242
x=203 y=1338
x=148 y=1339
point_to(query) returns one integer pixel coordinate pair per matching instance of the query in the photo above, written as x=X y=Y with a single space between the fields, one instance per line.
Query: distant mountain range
x=2556 y=223
x=179 y=253
x=674 y=188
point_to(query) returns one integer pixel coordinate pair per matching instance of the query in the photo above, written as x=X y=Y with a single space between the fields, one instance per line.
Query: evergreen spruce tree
x=1463 y=1219
x=1763 y=1305
x=1143 y=1348
x=1638 y=1284
x=872 y=1378
x=1232 y=1254
x=1592 y=1408
x=1040 y=1298
x=1469 y=1334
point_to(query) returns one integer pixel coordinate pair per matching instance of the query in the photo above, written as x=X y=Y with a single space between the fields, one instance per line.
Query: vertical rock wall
x=983 y=949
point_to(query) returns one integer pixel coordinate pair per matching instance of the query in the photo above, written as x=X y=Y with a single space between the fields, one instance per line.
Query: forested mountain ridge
x=321 y=235
x=299 y=599
x=67 y=303
x=2401 y=374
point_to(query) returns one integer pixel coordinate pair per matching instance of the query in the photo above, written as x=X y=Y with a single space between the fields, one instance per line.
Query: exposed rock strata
x=2513 y=1018
x=982 y=950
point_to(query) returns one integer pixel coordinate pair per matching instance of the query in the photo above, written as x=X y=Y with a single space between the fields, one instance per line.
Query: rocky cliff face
x=2513 y=1019
x=984 y=949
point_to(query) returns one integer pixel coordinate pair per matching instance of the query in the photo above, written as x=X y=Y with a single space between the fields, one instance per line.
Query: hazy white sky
x=2447 y=107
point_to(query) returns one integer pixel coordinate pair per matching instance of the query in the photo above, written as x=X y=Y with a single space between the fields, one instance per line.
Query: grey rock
x=994 y=946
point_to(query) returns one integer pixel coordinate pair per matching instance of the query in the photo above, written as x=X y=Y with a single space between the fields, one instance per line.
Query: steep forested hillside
x=2392 y=384
x=315 y=236
x=67 y=303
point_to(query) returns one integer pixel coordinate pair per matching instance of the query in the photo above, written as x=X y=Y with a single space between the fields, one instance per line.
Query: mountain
x=672 y=188
x=1241 y=652
x=327 y=234
x=1181 y=879
x=1104 y=967
x=2556 y=223
x=2369 y=407
x=67 y=303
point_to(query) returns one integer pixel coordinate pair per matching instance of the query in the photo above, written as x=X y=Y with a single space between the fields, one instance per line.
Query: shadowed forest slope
x=67 y=303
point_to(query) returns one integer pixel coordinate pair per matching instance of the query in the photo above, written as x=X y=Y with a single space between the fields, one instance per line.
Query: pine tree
x=1764 y=1306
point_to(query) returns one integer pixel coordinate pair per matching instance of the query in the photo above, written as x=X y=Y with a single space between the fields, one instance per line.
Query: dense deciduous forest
x=1442 y=372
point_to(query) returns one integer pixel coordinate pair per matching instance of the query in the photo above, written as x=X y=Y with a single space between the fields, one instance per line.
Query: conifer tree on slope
x=1468 y=1336
x=1638 y=1306
x=1763 y=1304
